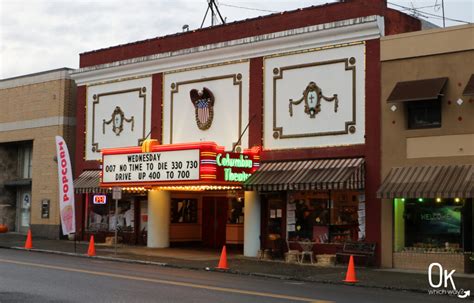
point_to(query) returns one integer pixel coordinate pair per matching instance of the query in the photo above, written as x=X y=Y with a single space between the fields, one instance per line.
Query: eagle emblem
x=203 y=102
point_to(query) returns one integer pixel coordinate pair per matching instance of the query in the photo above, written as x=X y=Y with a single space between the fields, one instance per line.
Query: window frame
x=25 y=161
x=433 y=105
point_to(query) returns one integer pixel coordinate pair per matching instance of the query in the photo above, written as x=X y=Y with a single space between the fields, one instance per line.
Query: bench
x=362 y=250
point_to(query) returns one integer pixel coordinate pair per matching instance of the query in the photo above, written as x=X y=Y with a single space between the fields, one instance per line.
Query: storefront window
x=428 y=224
x=184 y=211
x=346 y=210
x=325 y=217
x=101 y=217
x=235 y=209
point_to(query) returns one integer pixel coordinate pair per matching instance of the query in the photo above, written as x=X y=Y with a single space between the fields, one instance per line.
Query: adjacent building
x=35 y=109
x=427 y=147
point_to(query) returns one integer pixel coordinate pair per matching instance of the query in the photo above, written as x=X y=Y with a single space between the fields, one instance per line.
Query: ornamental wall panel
x=208 y=103
x=315 y=97
x=118 y=114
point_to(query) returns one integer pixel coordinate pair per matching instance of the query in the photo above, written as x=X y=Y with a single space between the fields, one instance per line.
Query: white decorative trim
x=35 y=123
x=345 y=31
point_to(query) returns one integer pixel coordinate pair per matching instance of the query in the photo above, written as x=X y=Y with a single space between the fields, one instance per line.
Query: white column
x=159 y=204
x=251 y=223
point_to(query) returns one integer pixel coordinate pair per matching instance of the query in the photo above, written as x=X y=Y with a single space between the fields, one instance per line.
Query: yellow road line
x=175 y=283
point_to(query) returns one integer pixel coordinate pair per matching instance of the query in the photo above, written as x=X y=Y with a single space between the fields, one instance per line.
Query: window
x=25 y=155
x=308 y=216
x=235 y=213
x=325 y=217
x=424 y=114
x=101 y=217
x=183 y=211
x=428 y=225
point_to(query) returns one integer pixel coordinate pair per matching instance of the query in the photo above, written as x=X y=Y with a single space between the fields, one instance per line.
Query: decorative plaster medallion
x=118 y=117
x=203 y=102
x=312 y=96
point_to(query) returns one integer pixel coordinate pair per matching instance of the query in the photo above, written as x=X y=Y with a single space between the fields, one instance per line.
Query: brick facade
x=37 y=107
x=421 y=261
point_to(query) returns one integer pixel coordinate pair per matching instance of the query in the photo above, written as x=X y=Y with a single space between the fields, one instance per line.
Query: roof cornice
x=339 y=32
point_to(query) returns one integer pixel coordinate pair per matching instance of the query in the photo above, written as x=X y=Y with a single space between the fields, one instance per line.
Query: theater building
x=302 y=86
x=428 y=149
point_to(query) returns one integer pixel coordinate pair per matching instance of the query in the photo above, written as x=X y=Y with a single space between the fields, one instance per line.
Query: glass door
x=24 y=210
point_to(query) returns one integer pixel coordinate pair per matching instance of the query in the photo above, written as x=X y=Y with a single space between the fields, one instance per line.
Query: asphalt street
x=38 y=277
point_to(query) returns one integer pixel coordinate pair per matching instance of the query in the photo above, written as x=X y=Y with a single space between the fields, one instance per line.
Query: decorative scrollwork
x=117 y=119
x=312 y=96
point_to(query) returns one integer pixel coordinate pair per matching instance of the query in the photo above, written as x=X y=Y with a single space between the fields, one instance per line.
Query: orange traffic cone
x=351 y=275
x=223 y=260
x=28 y=243
x=91 y=250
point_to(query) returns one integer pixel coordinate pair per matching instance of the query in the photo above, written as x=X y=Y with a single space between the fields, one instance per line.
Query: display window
x=101 y=215
x=430 y=225
x=184 y=211
x=235 y=211
x=326 y=217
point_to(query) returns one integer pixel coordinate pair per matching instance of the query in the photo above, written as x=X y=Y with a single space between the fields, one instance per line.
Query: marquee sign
x=202 y=163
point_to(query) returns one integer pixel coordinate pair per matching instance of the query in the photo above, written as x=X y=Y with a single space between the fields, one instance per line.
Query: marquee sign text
x=151 y=167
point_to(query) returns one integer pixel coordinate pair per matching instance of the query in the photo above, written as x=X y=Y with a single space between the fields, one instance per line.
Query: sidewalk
x=200 y=259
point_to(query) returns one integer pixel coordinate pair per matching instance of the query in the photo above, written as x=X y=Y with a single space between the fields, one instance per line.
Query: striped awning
x=308 y=175
x=88 y=182
x=443 y=181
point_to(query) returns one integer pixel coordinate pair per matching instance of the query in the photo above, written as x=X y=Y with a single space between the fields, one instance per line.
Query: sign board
x=26 y=202
x=116 y=193
x=100 y=199
x=177 y=165
x=45 y=209
x=234 y=167
x=183 y=164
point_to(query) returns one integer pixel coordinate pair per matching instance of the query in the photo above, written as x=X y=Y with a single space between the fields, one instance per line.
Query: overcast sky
x=39 y=35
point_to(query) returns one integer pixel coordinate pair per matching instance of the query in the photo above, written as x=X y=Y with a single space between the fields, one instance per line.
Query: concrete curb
x=55 y=252
x=230 y=271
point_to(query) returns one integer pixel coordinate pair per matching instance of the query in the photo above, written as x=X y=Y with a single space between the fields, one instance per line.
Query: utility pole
x=442 y=7
x=212 y=6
